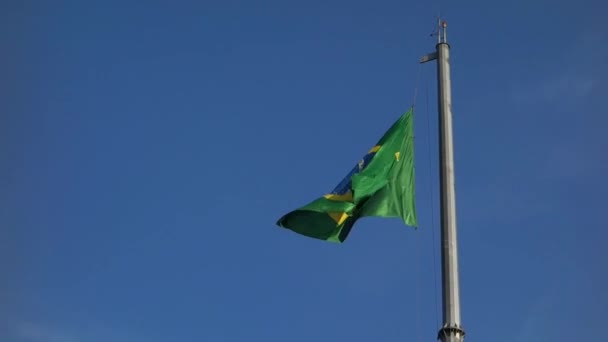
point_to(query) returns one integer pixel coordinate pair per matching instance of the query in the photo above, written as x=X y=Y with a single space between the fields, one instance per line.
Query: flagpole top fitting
x=442 y=29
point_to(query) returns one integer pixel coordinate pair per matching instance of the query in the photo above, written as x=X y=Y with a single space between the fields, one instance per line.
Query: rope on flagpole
x=417 y=85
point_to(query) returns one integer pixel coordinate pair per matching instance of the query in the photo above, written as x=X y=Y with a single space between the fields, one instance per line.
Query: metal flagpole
x=451 y=331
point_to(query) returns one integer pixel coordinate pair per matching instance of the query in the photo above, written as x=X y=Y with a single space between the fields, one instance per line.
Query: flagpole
x=451 y=331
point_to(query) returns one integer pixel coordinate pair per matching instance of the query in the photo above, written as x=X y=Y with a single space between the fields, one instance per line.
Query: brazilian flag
x=381 y=184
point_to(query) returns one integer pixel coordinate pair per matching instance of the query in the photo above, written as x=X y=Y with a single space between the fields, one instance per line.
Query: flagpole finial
x=442 y=36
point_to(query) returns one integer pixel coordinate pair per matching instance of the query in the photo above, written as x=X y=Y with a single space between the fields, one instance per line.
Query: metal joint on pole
x=447 y=331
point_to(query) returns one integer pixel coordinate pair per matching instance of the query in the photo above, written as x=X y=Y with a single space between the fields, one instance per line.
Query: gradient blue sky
x=147 y=151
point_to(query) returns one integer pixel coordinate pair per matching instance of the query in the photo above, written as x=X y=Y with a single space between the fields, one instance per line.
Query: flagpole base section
x=451 y=333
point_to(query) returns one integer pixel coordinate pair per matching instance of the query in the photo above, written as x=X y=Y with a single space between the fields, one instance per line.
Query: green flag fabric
x=382 y=184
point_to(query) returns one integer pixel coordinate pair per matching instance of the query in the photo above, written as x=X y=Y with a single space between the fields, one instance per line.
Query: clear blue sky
x=148 y=150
